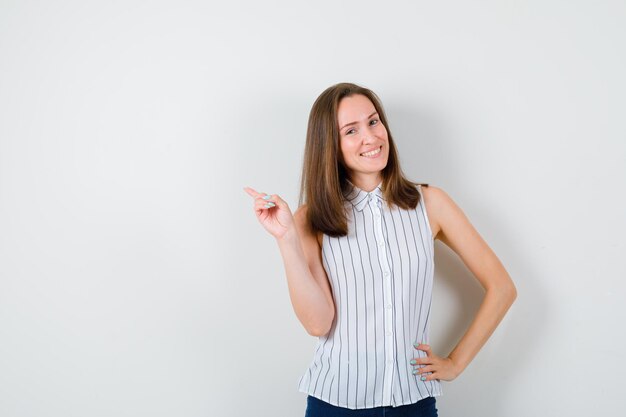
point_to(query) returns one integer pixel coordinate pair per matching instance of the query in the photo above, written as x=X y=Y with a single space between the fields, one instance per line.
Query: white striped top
x=381 y=276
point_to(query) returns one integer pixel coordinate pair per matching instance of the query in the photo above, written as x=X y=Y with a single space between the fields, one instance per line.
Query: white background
x=135 y=279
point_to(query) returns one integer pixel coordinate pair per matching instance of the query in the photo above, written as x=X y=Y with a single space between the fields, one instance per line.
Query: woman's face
x=361 y=132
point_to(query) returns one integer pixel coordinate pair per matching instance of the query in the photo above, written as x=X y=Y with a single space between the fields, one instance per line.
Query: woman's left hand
x=438 y=367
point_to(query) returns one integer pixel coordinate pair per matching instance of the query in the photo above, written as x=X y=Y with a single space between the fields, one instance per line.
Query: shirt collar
x=359 y=198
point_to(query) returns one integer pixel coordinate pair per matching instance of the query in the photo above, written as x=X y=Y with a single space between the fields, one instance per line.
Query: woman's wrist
x=290 y=236
x=457 y=366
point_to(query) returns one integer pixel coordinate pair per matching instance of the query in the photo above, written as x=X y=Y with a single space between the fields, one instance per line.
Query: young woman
x=359 y=263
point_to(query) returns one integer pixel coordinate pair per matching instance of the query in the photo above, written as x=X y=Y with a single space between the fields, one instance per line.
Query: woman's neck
x=368 y=183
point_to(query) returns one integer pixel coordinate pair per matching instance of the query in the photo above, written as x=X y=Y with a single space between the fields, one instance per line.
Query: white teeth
x=371 y=153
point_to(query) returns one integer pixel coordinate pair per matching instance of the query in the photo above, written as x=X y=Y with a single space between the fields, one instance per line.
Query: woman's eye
x=374 y=121
x=348 y=132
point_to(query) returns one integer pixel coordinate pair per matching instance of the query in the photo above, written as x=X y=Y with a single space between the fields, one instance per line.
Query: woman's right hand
x=278 y=219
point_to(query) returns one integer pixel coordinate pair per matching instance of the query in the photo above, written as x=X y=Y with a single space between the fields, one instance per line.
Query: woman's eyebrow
x=353 y=123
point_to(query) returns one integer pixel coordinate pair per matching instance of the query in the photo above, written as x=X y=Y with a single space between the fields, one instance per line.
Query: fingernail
x=415 y=372
x=423 y=378
x=267 y=197
x=413 y=362
x=416 y=344
x=269 y=205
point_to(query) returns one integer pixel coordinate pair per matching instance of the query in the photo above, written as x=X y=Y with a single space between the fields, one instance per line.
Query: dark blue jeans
x=423 y=408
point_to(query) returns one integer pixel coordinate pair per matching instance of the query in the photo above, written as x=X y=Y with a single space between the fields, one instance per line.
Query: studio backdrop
x=135 y=279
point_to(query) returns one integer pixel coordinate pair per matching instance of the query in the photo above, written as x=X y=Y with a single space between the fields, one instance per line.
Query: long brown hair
x=324 y=180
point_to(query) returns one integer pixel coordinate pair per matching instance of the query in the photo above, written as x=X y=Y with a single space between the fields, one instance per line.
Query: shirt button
x=389 y=333
x=390 y=361
x=381 y=244
x=386 y=273
x=388 y=306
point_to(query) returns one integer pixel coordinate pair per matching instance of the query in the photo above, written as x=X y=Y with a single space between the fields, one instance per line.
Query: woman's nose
x=367 y=136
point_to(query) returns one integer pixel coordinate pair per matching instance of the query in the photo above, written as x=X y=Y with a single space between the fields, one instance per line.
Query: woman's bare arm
x=309 y=290
x=453 y=228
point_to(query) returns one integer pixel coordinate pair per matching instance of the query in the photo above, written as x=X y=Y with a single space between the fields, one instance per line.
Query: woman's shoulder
x=433 y=198
x=430 y=193
x=439 y=206
x=433 y=195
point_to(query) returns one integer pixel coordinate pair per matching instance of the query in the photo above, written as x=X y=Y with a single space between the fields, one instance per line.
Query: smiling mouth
x=372 y=153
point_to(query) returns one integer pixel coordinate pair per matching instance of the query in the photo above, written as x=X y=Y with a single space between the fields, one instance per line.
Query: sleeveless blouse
x=381 y=275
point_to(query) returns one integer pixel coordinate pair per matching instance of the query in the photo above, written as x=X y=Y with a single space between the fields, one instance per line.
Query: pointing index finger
x=252 y=192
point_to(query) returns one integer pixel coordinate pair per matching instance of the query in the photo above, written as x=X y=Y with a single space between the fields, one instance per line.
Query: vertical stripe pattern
x=381 y=276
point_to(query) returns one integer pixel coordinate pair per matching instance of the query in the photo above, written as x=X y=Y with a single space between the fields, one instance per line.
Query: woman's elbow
x=315 y=332
x=509 y=293
x=506 y=292
x=320 y=328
